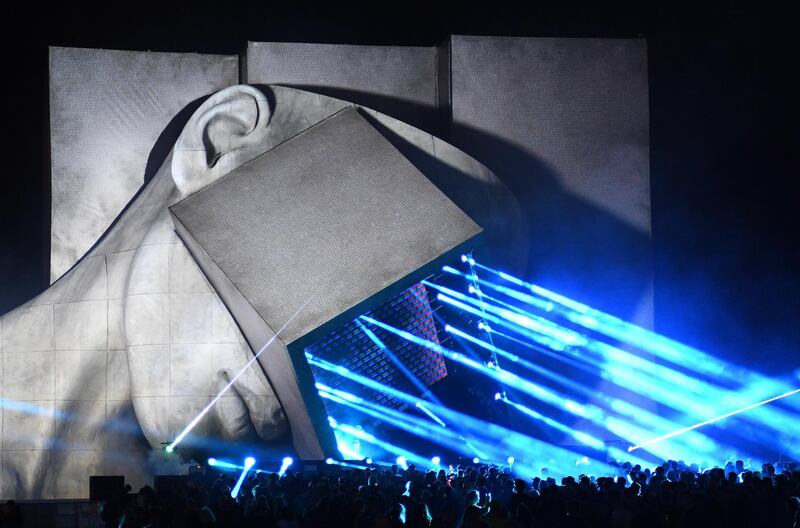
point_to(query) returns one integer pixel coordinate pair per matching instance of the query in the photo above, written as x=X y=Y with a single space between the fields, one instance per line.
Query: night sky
x=723 y=131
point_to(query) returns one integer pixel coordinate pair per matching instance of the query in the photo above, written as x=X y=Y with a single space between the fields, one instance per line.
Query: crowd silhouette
x=673 y=494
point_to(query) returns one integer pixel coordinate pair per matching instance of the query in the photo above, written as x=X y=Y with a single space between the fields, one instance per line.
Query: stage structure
x=332 y=192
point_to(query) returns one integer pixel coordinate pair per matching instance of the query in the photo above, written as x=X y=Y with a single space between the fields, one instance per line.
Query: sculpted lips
x=248 y=406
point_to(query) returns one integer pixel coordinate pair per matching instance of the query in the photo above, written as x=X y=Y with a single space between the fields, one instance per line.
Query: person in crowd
x=673 y=494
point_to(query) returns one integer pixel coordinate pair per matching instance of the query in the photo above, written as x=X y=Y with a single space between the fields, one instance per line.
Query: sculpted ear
x=226 y=131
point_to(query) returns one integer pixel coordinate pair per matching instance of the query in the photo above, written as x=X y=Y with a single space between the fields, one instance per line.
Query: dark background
x=723 y=110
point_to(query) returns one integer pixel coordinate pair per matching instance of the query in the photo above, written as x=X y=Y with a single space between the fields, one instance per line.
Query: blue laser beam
x=616 y=328
x=581 y=437
x=249 y=462
x=503 y=376
x=489 y=440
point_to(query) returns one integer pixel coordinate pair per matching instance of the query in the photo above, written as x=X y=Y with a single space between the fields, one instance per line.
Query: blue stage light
x=249 y=462
x=563 y=380
x=510 y=460
x=666 y=348
x=664 y=384
x=329 y=460
x=222 y=465
x=346 y=452
x=436 y=461
x=287 y=461
x=360 y=434
x=502 y=376
x=476 y=460
x=474 y=436
x=233 y=380
x=577 y=435
x=402 y=462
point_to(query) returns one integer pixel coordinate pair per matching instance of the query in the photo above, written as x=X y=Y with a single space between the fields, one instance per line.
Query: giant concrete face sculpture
x=136 y=322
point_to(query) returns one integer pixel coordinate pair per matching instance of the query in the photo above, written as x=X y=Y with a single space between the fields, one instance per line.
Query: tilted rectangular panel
x=334 y=219
x=109 y=109
x=335 y=215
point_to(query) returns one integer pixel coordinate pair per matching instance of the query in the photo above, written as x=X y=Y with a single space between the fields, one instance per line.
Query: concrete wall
x=107 y=111
x=564 y=123
x=395 y=80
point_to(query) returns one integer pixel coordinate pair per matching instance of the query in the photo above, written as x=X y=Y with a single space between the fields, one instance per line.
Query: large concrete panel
x=564 y=123
x=395 y=80
x=107 y=111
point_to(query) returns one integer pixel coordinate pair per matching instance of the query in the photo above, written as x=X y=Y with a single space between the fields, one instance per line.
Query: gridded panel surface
x=332 y=216
x=350 y=347
x=578 y=105
x=107 y=110
x=397 y=80
x=564 y=123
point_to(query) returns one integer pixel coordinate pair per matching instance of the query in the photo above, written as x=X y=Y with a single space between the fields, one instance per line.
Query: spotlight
x=497 y=395
x=287 y=461
x=402 y=462
x=249 y=462
x=368 y=461
x=510 y=460
x=212 y=462
x=464 y=258
x=436 y=461
x=471 y=289
x=329 y=460
x=476 y=460
x=170 y=449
